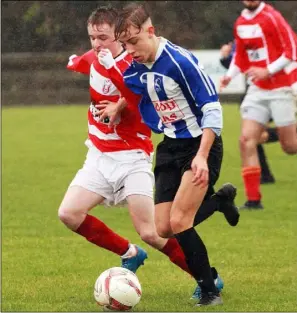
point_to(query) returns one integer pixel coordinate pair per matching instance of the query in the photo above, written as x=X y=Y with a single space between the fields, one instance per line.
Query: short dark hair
x=103 y=14
x=134 y=14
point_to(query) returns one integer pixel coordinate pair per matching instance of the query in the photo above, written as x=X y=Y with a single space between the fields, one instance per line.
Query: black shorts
x=174 y=158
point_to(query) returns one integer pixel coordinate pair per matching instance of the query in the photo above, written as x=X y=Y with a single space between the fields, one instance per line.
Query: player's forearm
x=278 y=65
x=233 y=70
x=212 y=124
x=207 y=140
x=121 y=104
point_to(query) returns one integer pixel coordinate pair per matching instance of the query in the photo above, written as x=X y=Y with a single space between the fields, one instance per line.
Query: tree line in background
x=53 y=26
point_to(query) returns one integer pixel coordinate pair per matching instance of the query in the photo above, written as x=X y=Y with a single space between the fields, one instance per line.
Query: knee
x=177 y=223
x=242 y=142
x=164 y=232
x=289 y=148
x=68 y=217
x=163 y=228
x=149 y=237
x=246 y=143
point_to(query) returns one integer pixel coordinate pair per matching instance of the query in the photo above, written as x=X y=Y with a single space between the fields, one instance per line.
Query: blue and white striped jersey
x=176 y=92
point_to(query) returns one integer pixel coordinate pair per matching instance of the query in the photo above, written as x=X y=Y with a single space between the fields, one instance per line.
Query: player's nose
x=130 y=50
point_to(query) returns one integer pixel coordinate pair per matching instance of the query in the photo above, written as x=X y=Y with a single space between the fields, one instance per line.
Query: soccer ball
x=117 y=289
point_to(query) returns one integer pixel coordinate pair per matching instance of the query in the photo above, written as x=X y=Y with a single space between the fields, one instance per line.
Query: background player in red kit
x=266 y=48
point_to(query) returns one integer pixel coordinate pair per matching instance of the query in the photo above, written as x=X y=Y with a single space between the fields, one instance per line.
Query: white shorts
x=116 y=175
x=261 y=105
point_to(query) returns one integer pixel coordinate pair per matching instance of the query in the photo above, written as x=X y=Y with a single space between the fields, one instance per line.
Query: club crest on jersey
x=158 y=84
x=157 y=81
x=106 y=86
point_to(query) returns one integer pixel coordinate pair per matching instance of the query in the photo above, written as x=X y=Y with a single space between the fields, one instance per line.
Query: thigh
x=167 y=174
x=186 y=202
x=214 y=162
x=79 y=199
x=283 y=108
x=142 y=211
x=251 y=130
x=254 y=107
x=162 y=219
x=287 y=136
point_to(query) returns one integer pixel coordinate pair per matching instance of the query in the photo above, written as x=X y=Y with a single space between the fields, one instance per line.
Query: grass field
x=45 y=267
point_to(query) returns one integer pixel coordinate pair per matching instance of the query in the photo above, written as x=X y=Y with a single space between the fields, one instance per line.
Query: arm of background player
x=226 y=61
x=240 y=61
x=81 y=64
x=288 y=40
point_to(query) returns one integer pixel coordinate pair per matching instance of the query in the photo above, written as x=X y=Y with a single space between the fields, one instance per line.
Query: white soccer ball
x=117 y=289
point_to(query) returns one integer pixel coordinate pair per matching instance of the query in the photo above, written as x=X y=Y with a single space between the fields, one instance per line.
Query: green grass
x=45 y=267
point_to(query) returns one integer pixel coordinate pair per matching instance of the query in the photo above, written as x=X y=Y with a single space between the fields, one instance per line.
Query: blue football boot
x=218 y=283
x=134 y=262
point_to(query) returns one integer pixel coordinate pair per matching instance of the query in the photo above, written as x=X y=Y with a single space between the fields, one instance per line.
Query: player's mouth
x=138 y=58
x=96 y=51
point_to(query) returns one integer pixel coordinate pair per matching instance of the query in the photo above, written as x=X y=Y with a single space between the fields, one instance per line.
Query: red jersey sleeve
x=116 y=77
x=287 y=36
x=81 y=64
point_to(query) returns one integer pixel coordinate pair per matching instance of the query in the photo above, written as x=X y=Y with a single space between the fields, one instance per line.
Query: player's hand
x=258 y=73
x=108 y=109
x=70 y=62
x=106 y=59
x=226 y=50
x=224 y=82
x=200 y=170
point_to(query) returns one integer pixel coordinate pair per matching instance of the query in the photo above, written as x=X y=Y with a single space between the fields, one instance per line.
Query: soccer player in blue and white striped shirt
x=179 y=99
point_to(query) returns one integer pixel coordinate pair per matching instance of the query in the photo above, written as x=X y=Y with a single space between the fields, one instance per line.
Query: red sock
x=176 y=255
x=99 y=234
x=251 y=176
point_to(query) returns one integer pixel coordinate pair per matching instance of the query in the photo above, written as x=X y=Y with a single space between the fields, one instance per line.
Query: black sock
x=272 y=135
x=207 y=208
x=197 y=259
x=265 y=170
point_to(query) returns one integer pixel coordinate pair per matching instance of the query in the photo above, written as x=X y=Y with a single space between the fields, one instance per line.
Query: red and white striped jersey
x=262 y=37
x=129 y=133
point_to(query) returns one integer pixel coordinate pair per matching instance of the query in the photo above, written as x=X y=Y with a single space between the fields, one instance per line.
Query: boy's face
x=101 y=37
x=251 y=5
x=138 y=43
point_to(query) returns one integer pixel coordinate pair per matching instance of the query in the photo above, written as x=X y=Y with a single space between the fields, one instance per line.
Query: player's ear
x=151 y=30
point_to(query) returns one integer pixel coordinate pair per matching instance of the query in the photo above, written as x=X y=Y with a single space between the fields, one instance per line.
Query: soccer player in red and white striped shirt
x=266 y=47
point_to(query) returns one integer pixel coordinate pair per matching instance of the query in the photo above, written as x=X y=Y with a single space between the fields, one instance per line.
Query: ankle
x=131 y=252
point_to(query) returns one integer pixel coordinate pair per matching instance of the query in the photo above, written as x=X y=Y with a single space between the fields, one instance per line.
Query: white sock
x=132 y=251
